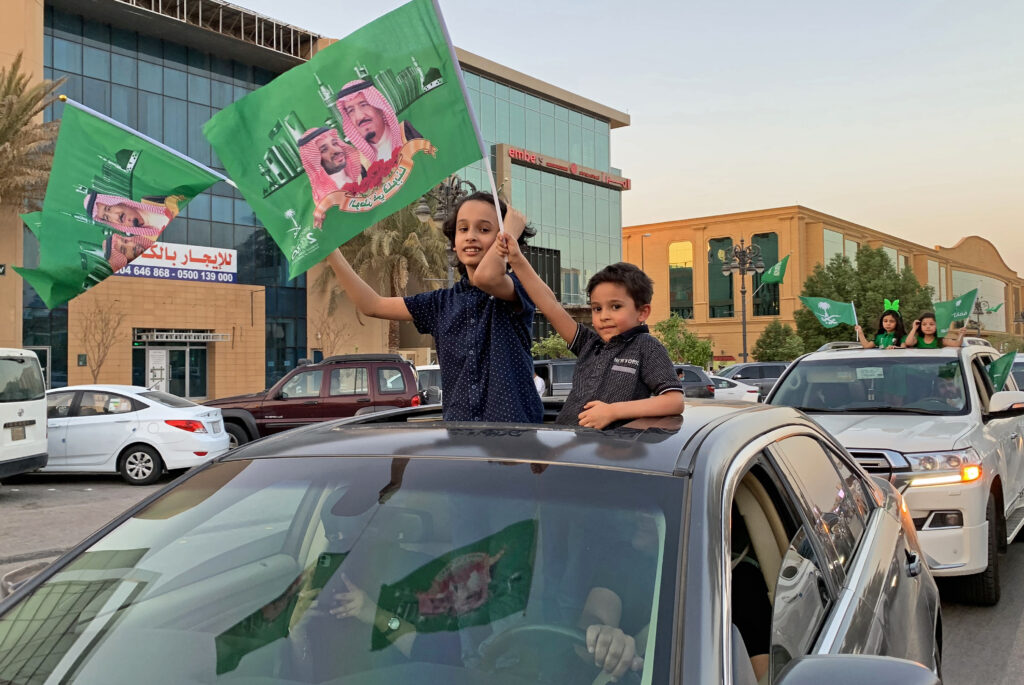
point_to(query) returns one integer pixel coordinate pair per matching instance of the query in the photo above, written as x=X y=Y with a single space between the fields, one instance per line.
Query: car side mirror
x=855 y=669
x=1006 y=400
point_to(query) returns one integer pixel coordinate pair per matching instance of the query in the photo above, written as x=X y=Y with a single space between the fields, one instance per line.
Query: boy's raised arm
x=536 y=288
x=363 y=296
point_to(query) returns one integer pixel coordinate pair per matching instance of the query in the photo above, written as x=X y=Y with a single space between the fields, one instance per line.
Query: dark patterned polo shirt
x=631 y=366
x=483 y=348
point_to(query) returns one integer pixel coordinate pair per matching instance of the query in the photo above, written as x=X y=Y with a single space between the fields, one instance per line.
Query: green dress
x=928 y=346
x=887 y=340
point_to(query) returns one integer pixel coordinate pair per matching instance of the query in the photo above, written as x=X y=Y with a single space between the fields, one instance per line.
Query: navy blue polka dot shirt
x=483 y=348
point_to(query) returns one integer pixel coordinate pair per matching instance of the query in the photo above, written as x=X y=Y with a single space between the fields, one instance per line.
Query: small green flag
x=993 y=310
x=957 y=309
x=999 y=370
x=776 y=273
x=338 y=143
x=831 y=313
x=111 y=194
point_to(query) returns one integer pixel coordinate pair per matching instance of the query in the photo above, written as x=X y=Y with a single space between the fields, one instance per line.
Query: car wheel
x=237 y=435
x=141 y=465
x=983 y=588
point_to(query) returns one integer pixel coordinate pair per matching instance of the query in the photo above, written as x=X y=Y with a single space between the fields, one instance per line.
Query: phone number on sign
x=176 y=274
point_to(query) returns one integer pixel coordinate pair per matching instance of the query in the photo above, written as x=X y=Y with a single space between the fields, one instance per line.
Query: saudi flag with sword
x=831 y=313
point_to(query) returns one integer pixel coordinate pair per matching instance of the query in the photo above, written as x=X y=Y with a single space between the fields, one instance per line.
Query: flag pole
x=114 y=122
x=484 y=151
x=856 y=322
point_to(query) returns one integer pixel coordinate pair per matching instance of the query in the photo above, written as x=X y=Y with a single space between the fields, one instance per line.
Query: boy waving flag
x=361 y=130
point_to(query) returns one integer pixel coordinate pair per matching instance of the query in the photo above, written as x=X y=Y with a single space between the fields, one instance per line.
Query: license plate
x=217 y=427
x=18 y=433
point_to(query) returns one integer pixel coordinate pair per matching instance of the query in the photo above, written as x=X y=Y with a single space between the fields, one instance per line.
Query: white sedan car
x=728 y=389
x=130 y=430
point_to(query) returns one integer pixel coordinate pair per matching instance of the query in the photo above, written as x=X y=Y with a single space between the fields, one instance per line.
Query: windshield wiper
x=820 y=410
x=896 y=410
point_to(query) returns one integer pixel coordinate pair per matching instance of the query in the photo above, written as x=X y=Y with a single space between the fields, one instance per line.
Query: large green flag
x=354 y=134
x=957 y=309
x=999 y=370
x=831 y=313
x=111 y=193
x=776 y=273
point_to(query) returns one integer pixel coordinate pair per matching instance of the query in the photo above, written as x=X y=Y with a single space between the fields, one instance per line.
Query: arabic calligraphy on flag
x=185 y=263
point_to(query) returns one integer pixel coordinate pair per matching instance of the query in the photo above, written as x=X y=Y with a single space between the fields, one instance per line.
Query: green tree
x=778 y=343
x=386 y=256
x=551 y=347
x=867 y=285
x=26 y=145
x=684 y=346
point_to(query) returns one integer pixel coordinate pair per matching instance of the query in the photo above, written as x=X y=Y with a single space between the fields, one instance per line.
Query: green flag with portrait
x=999 y=370
x=364 y=128
x=776 y=273
x=111 y=194
x=957 y=309
x=831 y=313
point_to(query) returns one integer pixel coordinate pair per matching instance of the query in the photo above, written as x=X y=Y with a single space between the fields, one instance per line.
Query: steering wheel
x=500 y=644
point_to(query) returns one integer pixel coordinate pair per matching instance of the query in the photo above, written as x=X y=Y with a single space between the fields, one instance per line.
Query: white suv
x=931 y=422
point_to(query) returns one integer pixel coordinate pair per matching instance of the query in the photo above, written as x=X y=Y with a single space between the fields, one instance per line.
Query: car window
x=774 y=371
x=390 y=380
x=563 y=372
x=982 y=382
x=689 y=376
x=303 y=384
x=838 y=519
x=21 y=379
x=96 y=403
x=349 y=380
x=58 y=404
x=167 y=399
x=722 y=383
x=238 y=568
x=748 y=373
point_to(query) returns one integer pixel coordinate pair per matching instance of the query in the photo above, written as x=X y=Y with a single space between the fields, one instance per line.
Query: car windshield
x=21 y=379
x=362 y=570
x=1018 y=373
x=429 y=377
x=874 y=383
x=167 y=399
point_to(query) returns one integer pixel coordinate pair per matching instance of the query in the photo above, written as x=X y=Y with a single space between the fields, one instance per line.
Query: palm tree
x=386 y=256
x=26 y=145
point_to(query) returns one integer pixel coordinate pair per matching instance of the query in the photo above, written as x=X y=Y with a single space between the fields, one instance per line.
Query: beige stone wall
x=233 y=367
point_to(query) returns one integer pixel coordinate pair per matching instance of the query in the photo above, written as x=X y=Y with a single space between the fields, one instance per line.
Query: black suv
x=334 y=388
x=762 y=375
x=695 y=380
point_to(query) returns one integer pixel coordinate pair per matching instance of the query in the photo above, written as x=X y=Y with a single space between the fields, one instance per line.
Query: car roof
x=663 y=445
x=103 y=387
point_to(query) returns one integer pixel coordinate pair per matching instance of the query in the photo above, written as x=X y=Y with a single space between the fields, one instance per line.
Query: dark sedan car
x=395 y=549
x=695 y=380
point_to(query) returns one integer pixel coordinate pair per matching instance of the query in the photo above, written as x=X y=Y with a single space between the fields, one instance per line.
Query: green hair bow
x=893 y=305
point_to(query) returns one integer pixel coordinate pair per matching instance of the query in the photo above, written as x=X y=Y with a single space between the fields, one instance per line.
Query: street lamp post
x=446 y=195
x=745 y=260
x=645 y=235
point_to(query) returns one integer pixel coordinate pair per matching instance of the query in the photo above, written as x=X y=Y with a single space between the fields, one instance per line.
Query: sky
x=905 y=117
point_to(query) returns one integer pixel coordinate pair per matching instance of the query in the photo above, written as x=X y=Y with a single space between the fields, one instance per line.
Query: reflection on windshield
x=381 y=570
x=900 y=384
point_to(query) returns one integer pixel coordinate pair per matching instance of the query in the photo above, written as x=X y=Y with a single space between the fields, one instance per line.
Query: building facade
x=165 y=69
x=685 y=257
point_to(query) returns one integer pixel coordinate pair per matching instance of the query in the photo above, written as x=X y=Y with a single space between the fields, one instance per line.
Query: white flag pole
x=855 y=321
x=114 y=122
x=484 y=150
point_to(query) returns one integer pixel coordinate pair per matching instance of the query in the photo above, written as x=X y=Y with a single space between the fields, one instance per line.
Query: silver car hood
x=900 y=432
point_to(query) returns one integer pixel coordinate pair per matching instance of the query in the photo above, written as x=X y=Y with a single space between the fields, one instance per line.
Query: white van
x=22 y=413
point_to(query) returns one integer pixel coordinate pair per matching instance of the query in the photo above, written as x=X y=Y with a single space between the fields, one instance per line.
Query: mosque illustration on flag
x=282 y=162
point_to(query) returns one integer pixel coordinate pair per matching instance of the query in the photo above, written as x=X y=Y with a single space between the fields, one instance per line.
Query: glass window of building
x=892 y=255
x=990 y=290
x=850 y=247
x=943 y=288
x=933 y=279
x=720 y=296
x=766 y=299
x=680 y=278
x=833 y=241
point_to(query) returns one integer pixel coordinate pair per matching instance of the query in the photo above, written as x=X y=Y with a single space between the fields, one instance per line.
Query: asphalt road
x=41 y=516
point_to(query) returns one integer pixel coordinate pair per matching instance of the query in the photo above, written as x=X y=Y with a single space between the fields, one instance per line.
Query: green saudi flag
x=363 y=129
x=831 y=313
x=957 y=309
x=776 y=273
x=473 y=585
x=993 y=310
x=111 y=194
x=999 y=370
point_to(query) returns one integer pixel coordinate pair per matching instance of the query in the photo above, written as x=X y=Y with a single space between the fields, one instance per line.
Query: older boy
x=623 y=372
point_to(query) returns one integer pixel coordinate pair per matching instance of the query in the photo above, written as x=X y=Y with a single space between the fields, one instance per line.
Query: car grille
x=883 y=463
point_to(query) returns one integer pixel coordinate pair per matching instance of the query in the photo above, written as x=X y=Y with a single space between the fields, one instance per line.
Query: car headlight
x=945 y=468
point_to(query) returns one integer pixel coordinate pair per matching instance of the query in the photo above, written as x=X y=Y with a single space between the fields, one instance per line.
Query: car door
x=59 y=410
x=297 y=403
x=868 y=551
x=1004 y=433
x=348 y=389
x=751 y=375
x=725 y=389
x=102 y=425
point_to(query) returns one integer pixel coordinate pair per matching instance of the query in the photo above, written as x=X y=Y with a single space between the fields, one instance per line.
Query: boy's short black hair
x=638 y=284
x=479 y=196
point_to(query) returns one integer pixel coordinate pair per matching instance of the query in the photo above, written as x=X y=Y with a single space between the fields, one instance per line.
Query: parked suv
x=333 y=388
x=695 y=380
x=557 y=375
x=762 y=375
x=931 y=422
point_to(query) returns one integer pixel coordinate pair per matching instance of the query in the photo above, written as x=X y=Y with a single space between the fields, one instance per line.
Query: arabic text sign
x=185 y=263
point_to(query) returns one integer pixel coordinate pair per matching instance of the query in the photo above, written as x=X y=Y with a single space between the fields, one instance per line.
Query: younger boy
x=622 y=371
